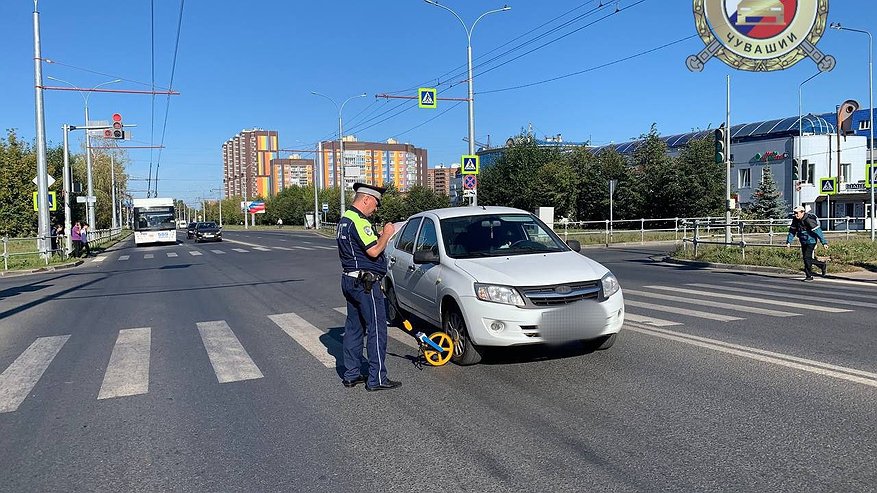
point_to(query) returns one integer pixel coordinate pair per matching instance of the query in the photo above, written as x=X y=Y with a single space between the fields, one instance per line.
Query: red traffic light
x=117 y=117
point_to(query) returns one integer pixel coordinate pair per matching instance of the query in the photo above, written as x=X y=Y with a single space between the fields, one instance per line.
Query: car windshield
x=206 y=225
x=498 y=235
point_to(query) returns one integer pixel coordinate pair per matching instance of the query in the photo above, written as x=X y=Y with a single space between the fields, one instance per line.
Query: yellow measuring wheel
x=434 y=357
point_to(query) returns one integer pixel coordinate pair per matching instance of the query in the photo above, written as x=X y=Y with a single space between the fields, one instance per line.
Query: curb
x=40 y=270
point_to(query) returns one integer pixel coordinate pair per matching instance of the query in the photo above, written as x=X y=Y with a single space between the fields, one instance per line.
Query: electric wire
x=591 y=69
x=152 y=104
x=83 y=69
x=170 y=84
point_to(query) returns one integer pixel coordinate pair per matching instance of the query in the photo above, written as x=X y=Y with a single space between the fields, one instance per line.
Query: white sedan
x=497 y=276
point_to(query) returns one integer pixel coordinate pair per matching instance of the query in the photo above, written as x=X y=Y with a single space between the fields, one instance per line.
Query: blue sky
x=254 y=64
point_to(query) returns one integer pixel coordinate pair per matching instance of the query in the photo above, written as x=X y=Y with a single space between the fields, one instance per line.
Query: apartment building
x=377 y=163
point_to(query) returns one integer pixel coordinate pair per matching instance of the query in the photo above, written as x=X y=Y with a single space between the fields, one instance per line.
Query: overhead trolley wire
x=170 y=84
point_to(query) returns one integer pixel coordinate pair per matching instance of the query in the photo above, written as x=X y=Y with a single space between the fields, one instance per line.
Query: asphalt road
x=759 y=389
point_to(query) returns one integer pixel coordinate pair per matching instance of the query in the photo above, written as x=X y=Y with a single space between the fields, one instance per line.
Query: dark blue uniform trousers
x=366 y=315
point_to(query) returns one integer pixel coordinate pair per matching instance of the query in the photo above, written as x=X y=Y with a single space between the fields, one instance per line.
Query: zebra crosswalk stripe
x=171 y=254
x=283 y=248
x=750 y=299
x=194 y=253
x=308 y=337
x=19 y=379
x=128 y=370
x=681 y=311
x=657 y=322
x=122 y=258
x=241 y=250
x=713 y=304
x=859 y=295
x=801 y=297
x=149 y=255
x=218 y=252
x=99 y=259
x=230 y=360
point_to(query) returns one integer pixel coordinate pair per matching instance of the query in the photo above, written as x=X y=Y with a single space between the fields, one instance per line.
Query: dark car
x=190 y=230
x=209 y=231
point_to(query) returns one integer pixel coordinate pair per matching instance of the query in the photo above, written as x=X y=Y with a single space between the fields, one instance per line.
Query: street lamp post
x=471 y=98
x=340 y=140
x=836 y=25
x=795 y=193
x=89 y=207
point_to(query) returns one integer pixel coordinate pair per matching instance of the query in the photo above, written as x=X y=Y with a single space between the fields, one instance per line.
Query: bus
x=154 y=221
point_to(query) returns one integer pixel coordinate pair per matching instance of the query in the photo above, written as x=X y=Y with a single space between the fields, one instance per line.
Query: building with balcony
x=439 y=179
x=246 y=163
x=376 y=163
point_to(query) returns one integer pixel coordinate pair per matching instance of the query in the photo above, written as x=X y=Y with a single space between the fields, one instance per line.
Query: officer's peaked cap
x=373 y=190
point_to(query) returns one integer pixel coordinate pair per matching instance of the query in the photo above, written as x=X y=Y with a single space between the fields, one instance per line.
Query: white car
x=497 y=276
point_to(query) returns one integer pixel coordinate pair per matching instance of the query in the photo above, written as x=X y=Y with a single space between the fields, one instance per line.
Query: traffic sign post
x=470 y=182
x=426 y=98
x=870 y=175
x=828 y=186
x=325 y=207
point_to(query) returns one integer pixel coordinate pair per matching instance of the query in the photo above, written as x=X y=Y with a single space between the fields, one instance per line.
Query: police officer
x=364 y=264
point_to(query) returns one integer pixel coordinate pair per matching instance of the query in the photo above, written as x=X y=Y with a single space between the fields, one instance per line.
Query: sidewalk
x=73 y=262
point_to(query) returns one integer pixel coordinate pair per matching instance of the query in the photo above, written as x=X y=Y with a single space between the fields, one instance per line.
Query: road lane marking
x=128 y=370
x=172 y=254
x=859 y=286
x=681 y=311
x=194 y=253
x=230 y=360
x=262 y=249
x=302 y=248
x=283 y=248
x=780 y=295
x=394 y=332
x=124 y=257
x=803 y=364
x=241 y=250
x=325 y=247
x=786 y=304
x=149 y=255
x=218 y=252
x=657 y=322
x=713 y=304
x=21 y=377
x=312 y=339
x=244 y=243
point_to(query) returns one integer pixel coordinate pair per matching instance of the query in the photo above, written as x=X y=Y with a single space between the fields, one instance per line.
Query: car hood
x=533 y=270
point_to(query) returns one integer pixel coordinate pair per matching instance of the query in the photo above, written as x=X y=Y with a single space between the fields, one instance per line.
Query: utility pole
x=65 y=196
x=728 y=161
x=43 y=223
x=113 y=187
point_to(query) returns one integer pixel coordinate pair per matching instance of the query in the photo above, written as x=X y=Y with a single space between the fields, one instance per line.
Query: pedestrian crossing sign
x=53 y=201
x=470 y=164
x=426 y=98
x=870 y=175
x=828 y=186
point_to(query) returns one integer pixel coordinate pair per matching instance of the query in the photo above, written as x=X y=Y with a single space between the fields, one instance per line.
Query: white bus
x=154 y=221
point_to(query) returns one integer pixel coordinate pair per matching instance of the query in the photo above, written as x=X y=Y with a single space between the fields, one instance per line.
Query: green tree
x=768 y=202
x=699 y=184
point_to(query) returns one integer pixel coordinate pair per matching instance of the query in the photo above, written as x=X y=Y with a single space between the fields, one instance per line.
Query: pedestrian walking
x=83 y=240
x=279 y=223
x=364 y=263
x=806 y=227
x=54 y=238
x=76 y=238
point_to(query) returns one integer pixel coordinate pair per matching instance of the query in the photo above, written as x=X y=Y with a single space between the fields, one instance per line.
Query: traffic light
x=720 y=144
x=117 y=131
x=796 y=170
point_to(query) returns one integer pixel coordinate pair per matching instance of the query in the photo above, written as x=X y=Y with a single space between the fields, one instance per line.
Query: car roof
x=449 y=212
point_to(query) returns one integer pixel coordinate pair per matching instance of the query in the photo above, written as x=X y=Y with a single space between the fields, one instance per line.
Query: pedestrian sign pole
x=469 y=166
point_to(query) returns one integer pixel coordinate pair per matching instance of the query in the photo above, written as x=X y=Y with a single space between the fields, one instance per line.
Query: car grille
x=561 y=294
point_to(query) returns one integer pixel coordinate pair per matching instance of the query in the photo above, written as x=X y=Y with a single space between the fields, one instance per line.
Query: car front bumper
x=585 y=319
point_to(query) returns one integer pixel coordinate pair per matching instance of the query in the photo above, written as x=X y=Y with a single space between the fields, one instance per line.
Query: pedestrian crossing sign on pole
x=870 y=175
x=470 y=164
x=53 y=201
x=828 y=186
x=426 y=98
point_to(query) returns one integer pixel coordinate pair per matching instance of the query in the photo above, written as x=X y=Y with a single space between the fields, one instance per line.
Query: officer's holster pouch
x=367 y=279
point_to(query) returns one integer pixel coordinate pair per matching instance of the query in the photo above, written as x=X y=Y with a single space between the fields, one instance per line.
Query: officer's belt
x=356 y=273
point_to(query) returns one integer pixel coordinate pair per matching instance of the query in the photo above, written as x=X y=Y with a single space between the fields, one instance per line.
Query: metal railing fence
x=25 y=247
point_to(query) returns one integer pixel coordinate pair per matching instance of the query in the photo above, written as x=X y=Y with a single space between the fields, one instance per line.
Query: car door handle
x=392 y=260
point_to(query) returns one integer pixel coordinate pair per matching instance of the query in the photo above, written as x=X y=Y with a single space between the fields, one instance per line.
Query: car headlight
x=498 y=294
x=610 y=285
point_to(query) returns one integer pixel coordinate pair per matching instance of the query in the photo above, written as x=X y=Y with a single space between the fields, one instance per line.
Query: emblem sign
x=760 y=35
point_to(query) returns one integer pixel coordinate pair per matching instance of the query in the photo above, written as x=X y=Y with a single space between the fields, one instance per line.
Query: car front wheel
x=453 y=324
x=394 y=313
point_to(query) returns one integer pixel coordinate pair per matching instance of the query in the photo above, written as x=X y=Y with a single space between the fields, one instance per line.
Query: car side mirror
x=426 y=257
x=575 y=245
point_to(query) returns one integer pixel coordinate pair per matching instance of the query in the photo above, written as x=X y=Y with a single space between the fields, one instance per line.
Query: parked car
x=190 y=230
x=498 y=276
x=208 y=231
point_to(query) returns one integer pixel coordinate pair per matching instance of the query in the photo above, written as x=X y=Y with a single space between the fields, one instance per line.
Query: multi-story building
x=292 y=171
x=376 y=163
x=439 y=179
x=246 y=162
